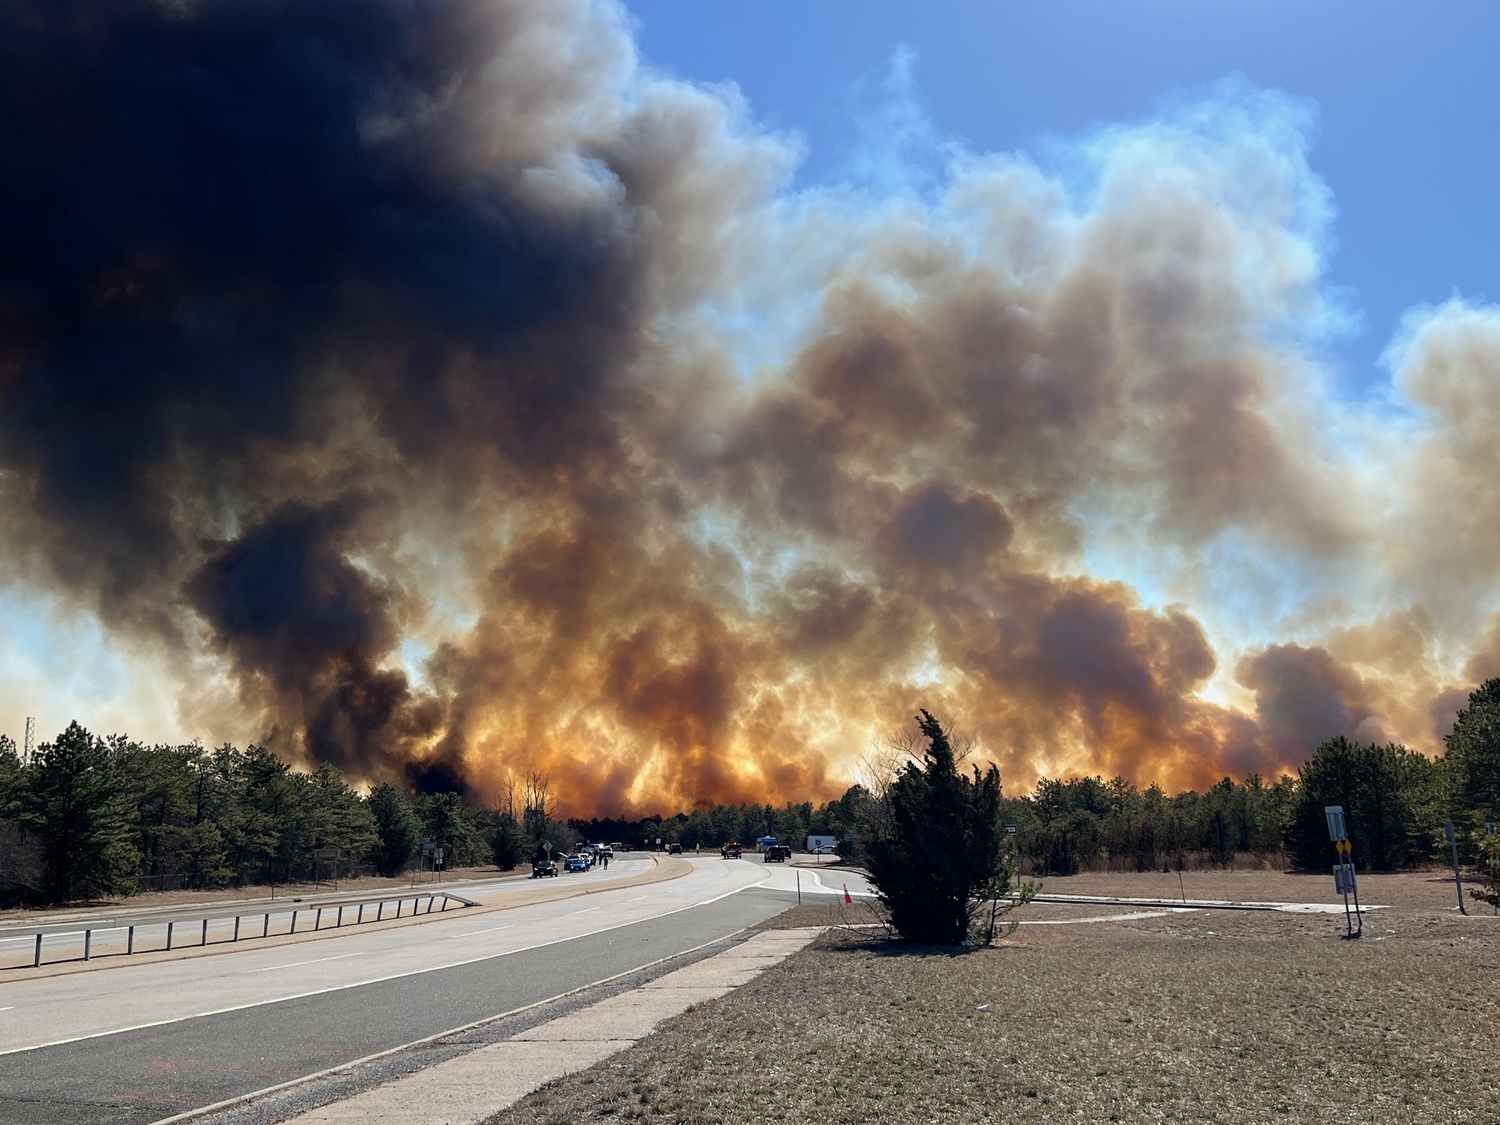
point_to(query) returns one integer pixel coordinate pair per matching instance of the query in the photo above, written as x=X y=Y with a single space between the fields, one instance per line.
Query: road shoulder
x=474 y=1085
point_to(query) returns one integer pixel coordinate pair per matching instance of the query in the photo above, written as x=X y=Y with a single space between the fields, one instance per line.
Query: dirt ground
x=1201 y=1016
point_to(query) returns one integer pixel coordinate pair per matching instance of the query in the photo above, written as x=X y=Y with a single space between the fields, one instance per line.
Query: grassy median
x=1204 y=1016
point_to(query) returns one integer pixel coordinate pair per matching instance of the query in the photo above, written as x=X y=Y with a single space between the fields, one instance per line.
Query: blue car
x=576 y=863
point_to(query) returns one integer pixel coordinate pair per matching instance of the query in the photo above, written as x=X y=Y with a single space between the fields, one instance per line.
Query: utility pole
x=30 y=743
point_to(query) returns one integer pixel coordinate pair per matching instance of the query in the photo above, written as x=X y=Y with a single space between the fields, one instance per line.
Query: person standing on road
x=605 y=857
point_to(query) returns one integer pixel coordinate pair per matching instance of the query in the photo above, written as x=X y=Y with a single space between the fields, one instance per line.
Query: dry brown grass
x=1204 y=1016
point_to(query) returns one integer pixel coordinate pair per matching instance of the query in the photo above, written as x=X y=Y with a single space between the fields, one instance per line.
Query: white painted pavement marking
x=294 y=964
x=1109 y=917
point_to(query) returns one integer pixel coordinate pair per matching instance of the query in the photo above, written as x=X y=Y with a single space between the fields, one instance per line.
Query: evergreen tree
x=77 y=807
x=1387 y=793
x=944 y=864
x=1473 y=763
x=507 y=843
x=396 y=827
x=338 y=817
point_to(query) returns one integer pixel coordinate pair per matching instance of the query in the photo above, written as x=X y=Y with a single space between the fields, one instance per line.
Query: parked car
x=675 y=849
x=575 y=863
x=542 y=868
x=732 y=850
x=778 y=853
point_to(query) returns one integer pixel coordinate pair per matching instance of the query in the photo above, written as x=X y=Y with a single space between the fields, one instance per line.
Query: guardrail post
x=318 y=920
x=88 y=942
x=398 y=908
x=444 y=906
x=265 y=928
x=360 y=917
x=293 y=930
x=340 y=920
x=169 y=934
x=205 y=932
x=37 y=960
x=236 y=928
x=130 y=941
x=379 y=910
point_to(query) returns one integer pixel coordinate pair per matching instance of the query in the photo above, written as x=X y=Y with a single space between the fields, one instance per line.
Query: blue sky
x=1405 y=96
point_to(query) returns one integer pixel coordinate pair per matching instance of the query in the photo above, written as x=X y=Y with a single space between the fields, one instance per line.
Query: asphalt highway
x=146 y=929
x=139 y=1042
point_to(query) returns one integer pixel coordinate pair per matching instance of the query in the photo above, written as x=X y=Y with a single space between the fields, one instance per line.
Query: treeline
x=90 y=816
x=1395 y=801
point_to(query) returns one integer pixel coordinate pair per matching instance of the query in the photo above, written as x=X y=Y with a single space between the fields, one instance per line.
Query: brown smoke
x=402 y=369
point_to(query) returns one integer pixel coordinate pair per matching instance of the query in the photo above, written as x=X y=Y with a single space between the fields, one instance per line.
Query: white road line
x=294 y=964
x=590 y=910
x=1108 y=917
x=7 y=1008
x=476 y=933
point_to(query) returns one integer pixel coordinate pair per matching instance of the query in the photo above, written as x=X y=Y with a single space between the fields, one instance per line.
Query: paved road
x=142 y=1041
x=146 y=929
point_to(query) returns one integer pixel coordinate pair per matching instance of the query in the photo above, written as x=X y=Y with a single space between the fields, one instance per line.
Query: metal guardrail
x=361 y=912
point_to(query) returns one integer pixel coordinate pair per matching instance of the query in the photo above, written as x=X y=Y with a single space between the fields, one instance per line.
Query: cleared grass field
x=1202 y=1016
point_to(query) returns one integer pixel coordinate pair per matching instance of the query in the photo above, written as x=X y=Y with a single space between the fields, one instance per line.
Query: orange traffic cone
x=846 y=893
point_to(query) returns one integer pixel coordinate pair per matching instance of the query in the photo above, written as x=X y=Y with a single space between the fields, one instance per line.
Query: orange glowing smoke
x=405 y=380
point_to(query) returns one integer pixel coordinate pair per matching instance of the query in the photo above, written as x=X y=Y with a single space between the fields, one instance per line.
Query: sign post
x=430 y=852
x=321 y=854
x=1344 y=881
x=1458 y=879
x=1012 y=833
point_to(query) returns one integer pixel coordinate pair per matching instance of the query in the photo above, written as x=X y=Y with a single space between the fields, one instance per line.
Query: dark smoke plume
x=391 y=356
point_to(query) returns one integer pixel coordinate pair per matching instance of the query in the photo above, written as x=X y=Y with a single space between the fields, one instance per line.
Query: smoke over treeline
x=443 y=393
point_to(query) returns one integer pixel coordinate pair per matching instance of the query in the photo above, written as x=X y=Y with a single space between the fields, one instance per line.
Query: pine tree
x=397 y=827
x=944 y=866
x=77 y=806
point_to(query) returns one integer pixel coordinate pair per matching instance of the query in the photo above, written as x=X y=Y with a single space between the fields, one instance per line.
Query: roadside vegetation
x=943 y=867
x=89 y=816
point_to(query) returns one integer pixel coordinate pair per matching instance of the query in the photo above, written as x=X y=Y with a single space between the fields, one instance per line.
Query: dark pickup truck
x=778 y=853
